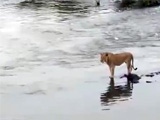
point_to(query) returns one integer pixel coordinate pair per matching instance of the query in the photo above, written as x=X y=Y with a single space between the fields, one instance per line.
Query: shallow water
x=50 y=68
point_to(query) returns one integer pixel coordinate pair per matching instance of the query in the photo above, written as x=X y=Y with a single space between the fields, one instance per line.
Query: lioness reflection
x=116 y=93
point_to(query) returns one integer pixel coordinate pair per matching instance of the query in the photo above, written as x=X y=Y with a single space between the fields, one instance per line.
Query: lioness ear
x=106 y=54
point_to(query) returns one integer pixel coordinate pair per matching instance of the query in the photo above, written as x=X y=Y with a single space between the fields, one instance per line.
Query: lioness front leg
x=112 y=71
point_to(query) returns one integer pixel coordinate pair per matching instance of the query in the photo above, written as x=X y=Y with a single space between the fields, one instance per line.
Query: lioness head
x=104 y=57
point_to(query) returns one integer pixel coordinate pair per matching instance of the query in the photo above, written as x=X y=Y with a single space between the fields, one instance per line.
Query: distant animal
x=98 y=2
x=113 y=60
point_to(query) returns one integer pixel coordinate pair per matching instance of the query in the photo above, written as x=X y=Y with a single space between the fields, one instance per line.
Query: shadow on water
x=62 y=6
x=116 y=93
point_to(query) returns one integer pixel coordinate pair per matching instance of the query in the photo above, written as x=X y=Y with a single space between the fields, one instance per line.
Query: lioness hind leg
x=129 y=68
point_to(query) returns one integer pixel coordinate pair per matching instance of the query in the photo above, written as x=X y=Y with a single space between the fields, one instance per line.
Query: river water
x=50 y=67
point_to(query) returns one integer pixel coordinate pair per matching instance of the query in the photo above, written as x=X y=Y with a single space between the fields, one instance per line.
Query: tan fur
x=113 y=60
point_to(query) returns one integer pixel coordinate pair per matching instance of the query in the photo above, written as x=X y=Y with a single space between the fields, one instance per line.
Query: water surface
x=50 y=68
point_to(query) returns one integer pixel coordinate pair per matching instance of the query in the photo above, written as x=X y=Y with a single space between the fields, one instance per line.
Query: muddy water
x=50 y=68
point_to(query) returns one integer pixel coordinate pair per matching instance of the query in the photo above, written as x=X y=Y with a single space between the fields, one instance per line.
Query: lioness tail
x=133 y=64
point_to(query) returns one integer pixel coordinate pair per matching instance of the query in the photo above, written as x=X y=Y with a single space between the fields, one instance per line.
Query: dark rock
x=136 y=3
x=149 y=75
x=148 y=81
x=157 y=73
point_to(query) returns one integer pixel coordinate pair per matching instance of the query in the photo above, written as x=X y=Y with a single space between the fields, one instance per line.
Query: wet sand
x=79 y=94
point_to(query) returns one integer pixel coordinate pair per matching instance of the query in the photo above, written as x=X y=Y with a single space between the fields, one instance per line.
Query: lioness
x=113 y=60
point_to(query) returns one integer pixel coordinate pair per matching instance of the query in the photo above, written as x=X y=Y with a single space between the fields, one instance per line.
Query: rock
x=137 y=3
x=149 y=75
x=148 y=81
x=157 y=73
